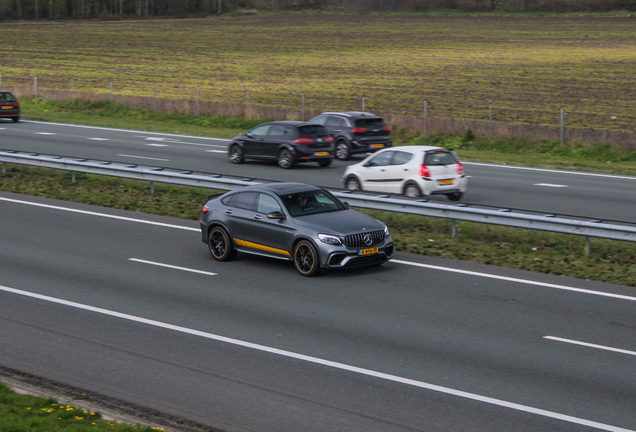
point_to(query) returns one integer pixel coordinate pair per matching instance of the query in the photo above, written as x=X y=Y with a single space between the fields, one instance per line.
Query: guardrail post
x=152 y=187
x=4 y=167
x=72 y=176
x=454 y=228
x=588 y=246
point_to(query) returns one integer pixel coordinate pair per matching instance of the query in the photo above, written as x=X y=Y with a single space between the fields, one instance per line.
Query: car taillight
x=359 y=130
x=424 y=171
x=329 y=139
x=303 y=141
x=460 y=168
x=206 y=209
x=386 y=129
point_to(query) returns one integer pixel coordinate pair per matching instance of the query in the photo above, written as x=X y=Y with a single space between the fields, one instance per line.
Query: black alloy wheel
x=285 y=159
x=306 y=258
x=236 y=154
x=342 y=150
x=220 y=245
x=16 y=119
x=455 y=196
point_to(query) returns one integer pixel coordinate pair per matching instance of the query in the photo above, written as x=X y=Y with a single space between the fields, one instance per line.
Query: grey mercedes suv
x=296 y=222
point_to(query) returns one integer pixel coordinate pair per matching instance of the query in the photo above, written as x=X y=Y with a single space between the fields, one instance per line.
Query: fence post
x=0 y=81
x=154 y=98
x=490 y=118
x=198 y=110
x=363 y=103
x=111 y=92
x=561 y=125
x=303 y=104
x=72 y=89
x=35 y=87
x=247 y=98
x=425 y=116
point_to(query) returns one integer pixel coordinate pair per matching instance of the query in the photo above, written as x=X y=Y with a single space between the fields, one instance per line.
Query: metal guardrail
x=455 y=212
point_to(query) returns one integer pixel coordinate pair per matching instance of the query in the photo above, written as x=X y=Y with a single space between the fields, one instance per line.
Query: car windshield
x=311 y=202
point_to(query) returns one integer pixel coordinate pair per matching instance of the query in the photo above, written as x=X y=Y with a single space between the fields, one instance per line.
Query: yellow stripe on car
x=258 y=246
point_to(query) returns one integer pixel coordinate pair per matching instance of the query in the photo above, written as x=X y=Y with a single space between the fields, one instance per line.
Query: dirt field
x=527 y=67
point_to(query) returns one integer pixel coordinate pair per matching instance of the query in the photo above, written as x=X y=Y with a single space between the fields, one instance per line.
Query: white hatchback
x=414 y=171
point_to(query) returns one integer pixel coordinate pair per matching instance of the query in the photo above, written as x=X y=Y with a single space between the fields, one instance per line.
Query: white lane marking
x=517 y=280
x=433 y=267
x=101 y=215
x=144 y=157
x=175 y=141
x=172 y=266
x=216 y=151
x=157 y=145
x=44 y=133
x=124 y=130
x=99 y=139
x=323 y=362
x=550 y=185
x=589 y=345
x=552 y=170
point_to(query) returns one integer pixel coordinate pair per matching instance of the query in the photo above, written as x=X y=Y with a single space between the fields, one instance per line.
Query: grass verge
x=39 y=414
x=550 y=253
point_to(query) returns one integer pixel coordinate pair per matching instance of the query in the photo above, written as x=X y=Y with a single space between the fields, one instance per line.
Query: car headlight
x=330 y=239
x=386 y=231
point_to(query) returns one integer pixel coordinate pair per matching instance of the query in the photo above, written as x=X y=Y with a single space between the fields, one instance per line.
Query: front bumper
x=336 y=257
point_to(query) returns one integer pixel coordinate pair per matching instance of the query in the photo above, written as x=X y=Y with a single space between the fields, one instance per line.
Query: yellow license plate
x=446 y=182
x=7 y=107
x=377 y=145
x=368 y=251
x=321 y=154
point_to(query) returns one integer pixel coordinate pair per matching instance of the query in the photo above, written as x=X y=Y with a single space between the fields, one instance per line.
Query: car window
x=336 y=122
x=370 y=122
x=400 y=158
x=311 y=202
x=382 y=159
x=7 y=97
x=259 y=130
x=439 y=157
x=267 y=204
x=242 y=200
x=319 y=120
x=278 y=130
x=312 y=130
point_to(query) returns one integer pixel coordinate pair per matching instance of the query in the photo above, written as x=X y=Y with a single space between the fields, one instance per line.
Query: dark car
x=9 y=106
x=293 y=221
x=355 y=132
x=287 y=142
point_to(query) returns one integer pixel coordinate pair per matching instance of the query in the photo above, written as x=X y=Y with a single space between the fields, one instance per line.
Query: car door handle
x=257 y=217
x=228 y=211
x=338 y=130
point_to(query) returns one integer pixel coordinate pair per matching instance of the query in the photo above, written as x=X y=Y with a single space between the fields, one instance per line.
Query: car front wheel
x=285 y=159
x=353 y=183
x=306 y=258
x=342 y=150
x=236 y=154
x=220 y=245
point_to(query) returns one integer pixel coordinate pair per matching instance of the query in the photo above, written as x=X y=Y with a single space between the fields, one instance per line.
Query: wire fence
x=429 y=115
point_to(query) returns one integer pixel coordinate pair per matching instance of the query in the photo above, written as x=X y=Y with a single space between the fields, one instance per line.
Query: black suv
x=287 y=142
x=355 y=132
x=9 y=106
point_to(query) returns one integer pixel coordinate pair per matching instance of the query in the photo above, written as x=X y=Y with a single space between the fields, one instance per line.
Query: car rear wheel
x=306 y=258
x=236 y=154
x=353 y=183
x=342 y=150
x=220 y=245
x=455 y=196
x=412 y=190
x=325 y=163
x=16 y=119
x=285 y=159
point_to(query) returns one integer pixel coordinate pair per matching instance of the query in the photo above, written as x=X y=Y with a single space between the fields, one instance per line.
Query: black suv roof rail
x=352 y=114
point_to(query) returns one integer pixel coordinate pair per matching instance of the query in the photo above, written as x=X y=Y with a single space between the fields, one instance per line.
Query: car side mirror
x=275 y=215
x=346 y=204
x=249 y=135
x=367 y=165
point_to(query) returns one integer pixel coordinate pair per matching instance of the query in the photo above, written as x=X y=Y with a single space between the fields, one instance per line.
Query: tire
x=236 y=154
x=285 y=159
x=16 y=119
x=325 y=163
x=412 y=190
x=455 y=196
x=343 y=152
x=220 y=245
x=306 y=258
x=352 y=183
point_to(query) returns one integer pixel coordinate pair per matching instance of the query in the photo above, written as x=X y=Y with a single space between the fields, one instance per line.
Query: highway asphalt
x=572 y=193
x=132 y=306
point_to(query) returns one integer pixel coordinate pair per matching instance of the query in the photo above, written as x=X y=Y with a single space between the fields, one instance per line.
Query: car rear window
x=439 y=157
x=7 y=97
x=370 y=122
x=312 y=130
